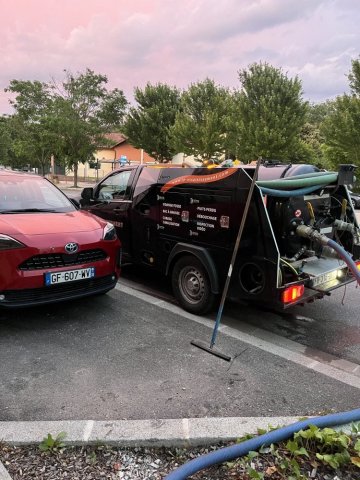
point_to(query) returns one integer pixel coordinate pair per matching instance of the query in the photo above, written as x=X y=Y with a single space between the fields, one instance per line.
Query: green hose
x=311 y=174
x=299 y=181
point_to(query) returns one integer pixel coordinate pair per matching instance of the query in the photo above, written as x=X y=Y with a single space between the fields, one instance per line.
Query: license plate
x=324 y=278
x=69 y=275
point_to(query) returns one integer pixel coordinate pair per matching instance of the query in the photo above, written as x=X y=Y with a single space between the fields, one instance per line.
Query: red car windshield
x=27 y=194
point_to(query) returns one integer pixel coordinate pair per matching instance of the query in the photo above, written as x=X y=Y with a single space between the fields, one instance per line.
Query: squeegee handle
x=235 y=251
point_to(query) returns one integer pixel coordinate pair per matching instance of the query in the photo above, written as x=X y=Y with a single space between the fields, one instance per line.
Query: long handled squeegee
x=199 y=343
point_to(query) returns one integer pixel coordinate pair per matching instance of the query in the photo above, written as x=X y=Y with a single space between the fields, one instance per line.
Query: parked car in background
x=49 y=250
x=355 y=199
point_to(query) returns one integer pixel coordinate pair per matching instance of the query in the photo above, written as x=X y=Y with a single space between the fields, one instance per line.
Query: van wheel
x=191 y=285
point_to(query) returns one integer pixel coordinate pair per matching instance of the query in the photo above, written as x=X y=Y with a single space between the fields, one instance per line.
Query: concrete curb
x=183 y=432
x=4 y=473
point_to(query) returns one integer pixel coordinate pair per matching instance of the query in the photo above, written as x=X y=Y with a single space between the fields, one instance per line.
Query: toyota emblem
x=71 y=247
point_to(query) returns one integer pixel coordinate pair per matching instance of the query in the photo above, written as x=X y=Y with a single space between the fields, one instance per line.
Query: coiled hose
x=289 y=193
x=298 y=185
x=235 y=451
x=299 y=181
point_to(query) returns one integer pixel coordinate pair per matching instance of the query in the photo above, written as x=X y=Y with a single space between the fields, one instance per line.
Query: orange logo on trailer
x=198 y=179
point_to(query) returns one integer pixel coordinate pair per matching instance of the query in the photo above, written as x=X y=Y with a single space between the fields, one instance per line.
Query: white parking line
x=88 y=430
x=338 y=369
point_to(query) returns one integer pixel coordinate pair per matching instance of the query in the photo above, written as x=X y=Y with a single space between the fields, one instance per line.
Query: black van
x=183 y=222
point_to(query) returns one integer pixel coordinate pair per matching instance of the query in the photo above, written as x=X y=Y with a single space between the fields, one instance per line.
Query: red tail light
x=358 y=264
x=292 y=293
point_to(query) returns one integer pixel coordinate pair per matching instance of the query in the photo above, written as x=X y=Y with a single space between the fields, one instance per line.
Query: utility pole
x=52 y=166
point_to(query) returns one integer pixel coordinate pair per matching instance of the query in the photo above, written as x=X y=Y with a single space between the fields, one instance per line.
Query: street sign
x=123 y=160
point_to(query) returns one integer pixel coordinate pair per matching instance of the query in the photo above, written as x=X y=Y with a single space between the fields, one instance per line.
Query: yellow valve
x=311 y=212
x=343 y=208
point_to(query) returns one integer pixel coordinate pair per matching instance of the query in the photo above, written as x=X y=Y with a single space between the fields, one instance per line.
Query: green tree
x=68 y=119
x=311 y=148
x=10 y=153
x=113 y=110
x=148 y=124
x=33 y=143
x=270 y=114
x=341 y=129
x=5 y=141
x=83 y=111
x=32 y=139
x=316 y=113
x=200 y=126
x=233 y=123
x=354 y=78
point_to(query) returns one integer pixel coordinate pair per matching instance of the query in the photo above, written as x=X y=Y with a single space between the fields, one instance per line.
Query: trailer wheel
x=191 y=285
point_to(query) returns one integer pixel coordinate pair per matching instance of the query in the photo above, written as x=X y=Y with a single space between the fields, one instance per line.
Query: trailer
x=184 y=222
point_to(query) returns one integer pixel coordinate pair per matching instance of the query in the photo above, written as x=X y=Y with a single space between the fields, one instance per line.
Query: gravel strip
x=92 y=463
x=107 y=462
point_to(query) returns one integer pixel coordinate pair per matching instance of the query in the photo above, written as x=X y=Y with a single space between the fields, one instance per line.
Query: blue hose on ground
x=346 y=257
x=230 y=453
x=289 y=193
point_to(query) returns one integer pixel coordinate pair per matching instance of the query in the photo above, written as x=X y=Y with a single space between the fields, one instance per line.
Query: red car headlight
x=9 y=243
x=109 y=232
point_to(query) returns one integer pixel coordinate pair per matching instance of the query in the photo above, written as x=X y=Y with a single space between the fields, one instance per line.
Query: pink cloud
x=136 y=41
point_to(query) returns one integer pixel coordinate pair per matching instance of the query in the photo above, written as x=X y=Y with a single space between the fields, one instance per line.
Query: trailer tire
x=191 y=285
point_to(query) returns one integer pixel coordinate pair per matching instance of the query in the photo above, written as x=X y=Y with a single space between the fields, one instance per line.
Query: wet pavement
x=120 y=356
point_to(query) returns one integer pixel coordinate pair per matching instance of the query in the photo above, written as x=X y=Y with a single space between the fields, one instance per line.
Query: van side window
x=147 y=179
x=114 y=187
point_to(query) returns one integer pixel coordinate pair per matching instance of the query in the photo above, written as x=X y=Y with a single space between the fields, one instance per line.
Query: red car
x=49 y=250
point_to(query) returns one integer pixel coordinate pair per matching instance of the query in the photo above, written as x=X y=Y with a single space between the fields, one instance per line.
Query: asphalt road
x=330 y=325
x=126 y=355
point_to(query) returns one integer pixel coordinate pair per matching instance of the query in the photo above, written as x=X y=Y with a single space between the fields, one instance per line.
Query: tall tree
x=342 y=131
x=200 y=126
x=354 y=78
x=32 y=136
x=271 y=112
x=5 y=141
x=148 y=124
x=83 y=111
x=311 y=148
x=67 y=119
x=341 y=128
x=233 y=123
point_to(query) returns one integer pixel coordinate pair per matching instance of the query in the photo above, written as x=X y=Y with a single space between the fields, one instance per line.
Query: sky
x=179 y=42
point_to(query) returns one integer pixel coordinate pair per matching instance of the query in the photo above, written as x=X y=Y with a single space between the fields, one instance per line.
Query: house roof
x=115 y=139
